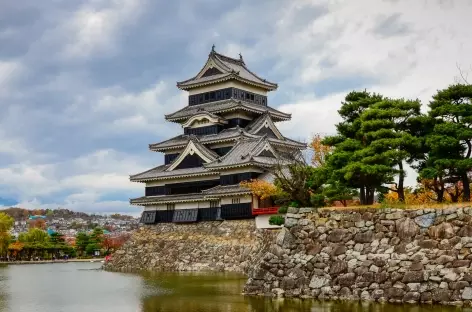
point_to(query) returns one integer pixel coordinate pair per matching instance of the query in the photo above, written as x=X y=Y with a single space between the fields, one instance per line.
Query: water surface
x=79 y=287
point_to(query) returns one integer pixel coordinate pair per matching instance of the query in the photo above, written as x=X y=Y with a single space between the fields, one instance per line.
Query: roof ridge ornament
x=241 y=58
x=213 y=48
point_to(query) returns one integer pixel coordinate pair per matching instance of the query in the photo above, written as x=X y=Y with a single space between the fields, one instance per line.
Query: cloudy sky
x=84 y=85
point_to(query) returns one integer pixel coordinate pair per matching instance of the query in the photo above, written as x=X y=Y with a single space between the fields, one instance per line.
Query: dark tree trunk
x=400 y=187
x=439 y=189
x=466 y=188
x=362 y=195
x=369 y=194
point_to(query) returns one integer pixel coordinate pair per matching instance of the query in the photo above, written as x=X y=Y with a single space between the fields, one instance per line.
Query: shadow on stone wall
x=232 y=246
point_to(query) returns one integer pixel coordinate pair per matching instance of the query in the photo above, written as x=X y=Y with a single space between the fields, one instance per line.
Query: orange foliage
x=38 y=223
x=114 y=243
x=16 y=247
x=424 y=194
x=70 y=240
x=262 y=189
x=320 y=151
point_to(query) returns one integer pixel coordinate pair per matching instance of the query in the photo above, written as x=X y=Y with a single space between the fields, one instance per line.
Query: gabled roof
x=160 y=173
x=263 y=121
x=227 y=135
x=204 y=115
x=181 y=141
x=194 y=147
x=223 y=106
x=244 y=153
x=219 y=68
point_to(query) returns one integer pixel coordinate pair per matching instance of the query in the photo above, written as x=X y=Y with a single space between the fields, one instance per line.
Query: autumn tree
x=301 y=183
x=6 y=223
x=260 y=188
x=15 y=248
x=111 y=244
x=37 y=223
x=320 y=151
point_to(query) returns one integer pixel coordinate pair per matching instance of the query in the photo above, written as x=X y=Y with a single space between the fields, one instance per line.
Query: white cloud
x=85 y=178
x=141 y=111
x=9 y=71
x=11 y=146
x=420 y=58
x=94 y=27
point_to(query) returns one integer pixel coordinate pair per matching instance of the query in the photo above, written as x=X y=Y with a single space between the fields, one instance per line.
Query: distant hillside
x=22 y=214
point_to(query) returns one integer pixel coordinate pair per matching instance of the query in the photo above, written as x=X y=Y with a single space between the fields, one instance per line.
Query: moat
x=75 y=287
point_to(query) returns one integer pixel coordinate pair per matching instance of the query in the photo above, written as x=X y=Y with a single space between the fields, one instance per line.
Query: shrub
x=283 y=210
x=318 y=200
x=294 y=204
x=276 y=220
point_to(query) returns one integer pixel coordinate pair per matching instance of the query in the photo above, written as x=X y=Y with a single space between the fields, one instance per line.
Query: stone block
x=467 y=293
x=406 y=228
x=426 y=220
x=318 y=282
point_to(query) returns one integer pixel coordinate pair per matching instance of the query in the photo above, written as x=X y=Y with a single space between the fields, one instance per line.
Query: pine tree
x=450 y=142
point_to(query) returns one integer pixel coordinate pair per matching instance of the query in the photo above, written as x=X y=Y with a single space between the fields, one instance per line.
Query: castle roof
x=247 y=151
x=227 y=135
x=160 y=173
x=226 y=190
x=226 y=106
x=250 y=151
x=163 y=199
x=220 y=68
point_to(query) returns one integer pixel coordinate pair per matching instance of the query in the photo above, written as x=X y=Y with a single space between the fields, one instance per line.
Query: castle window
x=235 y=200
x=213 y=204
x=170 y=206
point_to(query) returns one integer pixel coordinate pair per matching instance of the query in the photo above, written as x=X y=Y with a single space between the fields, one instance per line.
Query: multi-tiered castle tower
x=229 y=136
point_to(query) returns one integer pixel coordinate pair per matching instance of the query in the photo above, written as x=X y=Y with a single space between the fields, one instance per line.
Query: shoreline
x=51 y=261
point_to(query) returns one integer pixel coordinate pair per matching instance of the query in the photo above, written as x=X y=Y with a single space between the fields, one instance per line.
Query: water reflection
x=78 y=287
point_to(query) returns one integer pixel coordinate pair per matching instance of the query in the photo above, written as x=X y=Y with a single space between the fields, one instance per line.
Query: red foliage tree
x=111 y=244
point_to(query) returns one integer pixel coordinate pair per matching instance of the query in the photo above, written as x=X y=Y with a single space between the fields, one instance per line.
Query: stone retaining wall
x=393 y=255
x=205 y=246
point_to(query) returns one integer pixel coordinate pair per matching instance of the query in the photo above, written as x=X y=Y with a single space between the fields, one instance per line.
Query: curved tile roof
x=231 y=69
x=226 y=106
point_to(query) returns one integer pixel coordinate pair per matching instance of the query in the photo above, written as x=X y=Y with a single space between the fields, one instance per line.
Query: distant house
x=36 y=217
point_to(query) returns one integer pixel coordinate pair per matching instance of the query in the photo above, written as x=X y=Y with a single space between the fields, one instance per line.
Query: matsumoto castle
x=229 y=136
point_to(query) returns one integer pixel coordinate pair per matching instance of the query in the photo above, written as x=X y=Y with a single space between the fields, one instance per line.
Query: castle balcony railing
x=265 y=211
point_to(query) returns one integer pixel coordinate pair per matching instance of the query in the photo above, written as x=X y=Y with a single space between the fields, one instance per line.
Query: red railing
x=264 y=211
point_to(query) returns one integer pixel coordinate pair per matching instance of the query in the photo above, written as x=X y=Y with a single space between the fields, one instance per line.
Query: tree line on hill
x=38 y=244
x=376 y=139
x=20 y=214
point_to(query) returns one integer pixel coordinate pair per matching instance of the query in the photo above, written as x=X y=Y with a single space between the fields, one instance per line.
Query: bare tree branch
x=463 y=75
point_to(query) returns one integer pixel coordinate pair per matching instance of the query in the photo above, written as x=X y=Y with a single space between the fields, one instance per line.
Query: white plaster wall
x=262 y=222
x=205 y=204
x=190 y=205
x=243 y=199
x=228 y=84
x=242 y=115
